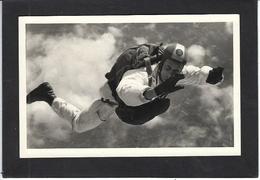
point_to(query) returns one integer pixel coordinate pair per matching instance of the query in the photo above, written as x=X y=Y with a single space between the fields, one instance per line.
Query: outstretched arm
x=201 y=76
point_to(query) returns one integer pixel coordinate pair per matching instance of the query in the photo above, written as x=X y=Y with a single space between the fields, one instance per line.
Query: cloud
x=157 y=121
x=74 y=66
x=199 y=116
x=196 y=55
x=229 y=27
x=140 y=40
x=217 y=104
x=190 y=136
x=150 y=27
x=217 y=100
x=115 y=31
x=45 y=125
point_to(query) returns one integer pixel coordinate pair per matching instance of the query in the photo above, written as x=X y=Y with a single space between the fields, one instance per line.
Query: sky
x=74 y=58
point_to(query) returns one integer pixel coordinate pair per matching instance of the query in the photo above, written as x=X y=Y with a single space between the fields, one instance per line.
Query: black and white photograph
x=129 y=86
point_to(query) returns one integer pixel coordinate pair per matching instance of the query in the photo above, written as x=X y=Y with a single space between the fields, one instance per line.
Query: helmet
x=175 y=52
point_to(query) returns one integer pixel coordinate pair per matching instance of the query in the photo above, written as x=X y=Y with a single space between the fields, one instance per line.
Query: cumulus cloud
x=115 y=31
x=196 y=55
x=217 y=105
x=217 y=100
x=44 y=125
x=73 y=65
x=140 y=40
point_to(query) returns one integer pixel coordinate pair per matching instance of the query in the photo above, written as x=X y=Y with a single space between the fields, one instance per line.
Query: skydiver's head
x=172 y=62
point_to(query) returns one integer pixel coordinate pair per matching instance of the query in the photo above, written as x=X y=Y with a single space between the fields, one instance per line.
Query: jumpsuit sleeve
x=132 y=86
x=194 y=75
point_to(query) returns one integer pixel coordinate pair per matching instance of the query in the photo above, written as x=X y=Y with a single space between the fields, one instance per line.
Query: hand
x=215 y=75
x=159 y=51
x=169 y=85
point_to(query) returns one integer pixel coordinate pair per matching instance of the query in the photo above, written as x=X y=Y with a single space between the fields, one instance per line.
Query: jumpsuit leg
x=87 y=119
x=91 y=118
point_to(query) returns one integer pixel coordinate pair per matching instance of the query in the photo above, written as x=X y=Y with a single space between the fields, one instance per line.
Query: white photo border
x=26 y=152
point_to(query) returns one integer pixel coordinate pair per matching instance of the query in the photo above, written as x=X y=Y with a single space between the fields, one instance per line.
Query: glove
x=215 y=75
x=159 y=51
x=169 y=85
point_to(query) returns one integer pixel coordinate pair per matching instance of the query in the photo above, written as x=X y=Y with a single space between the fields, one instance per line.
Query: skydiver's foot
x=44 y=92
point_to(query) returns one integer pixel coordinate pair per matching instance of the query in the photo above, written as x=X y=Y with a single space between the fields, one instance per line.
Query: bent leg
x=91 y=118
x=80 y=121
x=85 y=120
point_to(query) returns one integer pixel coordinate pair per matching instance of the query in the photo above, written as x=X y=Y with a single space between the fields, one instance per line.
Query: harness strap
x=149 y=70
x=108 y=101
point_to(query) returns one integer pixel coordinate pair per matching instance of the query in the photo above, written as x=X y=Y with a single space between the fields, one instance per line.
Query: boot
x=44 y=92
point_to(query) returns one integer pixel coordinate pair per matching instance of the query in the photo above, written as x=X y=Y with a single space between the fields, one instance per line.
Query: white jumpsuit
x=130 y=90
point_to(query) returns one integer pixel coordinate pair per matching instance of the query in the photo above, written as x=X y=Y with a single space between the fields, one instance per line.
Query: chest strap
x=149 y=70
